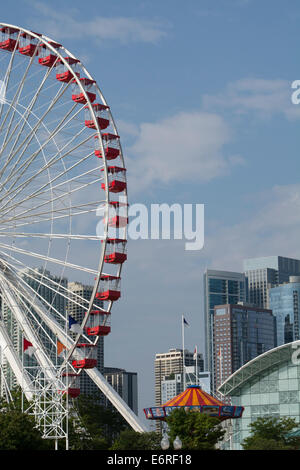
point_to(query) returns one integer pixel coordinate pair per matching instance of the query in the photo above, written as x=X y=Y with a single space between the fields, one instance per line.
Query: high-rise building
x=263 y=273
x=87 y=386
x=284 y=301
x=172 y=385
x=172 y=363
x=220 y=287
x=125 y=383
x=49 y=291
x=241 y=333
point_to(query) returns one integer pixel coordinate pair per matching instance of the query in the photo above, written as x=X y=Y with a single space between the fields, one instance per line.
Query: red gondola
x=97 y=323
x=118 y=217
x=101 y=113
x=71 y=381
x=8 y=38
x=109 y=288
x=63 y=74
x=111 y=146
x=115 y=251
x=85 y=356
x=28 y=45
x=89 y=87
x=46 y=56
x=116 y=179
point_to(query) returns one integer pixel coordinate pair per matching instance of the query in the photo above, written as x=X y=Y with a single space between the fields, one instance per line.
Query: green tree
x=93 y=426
x=196 y=430
x=132 y=440
x=18 y=432
x=271 y=433
x=17 y=429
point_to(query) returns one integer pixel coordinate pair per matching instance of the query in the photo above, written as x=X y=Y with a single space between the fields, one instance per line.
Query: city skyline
x=241 y=141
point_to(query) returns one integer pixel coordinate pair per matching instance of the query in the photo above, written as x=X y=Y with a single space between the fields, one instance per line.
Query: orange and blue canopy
x=193 y=396
x=195 y=399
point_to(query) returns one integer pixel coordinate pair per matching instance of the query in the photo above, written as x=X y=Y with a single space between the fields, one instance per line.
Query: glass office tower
x=241 y=333
x=220 y=287
x=284 y=301
x=263 y=273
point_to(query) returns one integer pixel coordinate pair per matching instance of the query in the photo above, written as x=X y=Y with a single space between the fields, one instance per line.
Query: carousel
x=195 y=399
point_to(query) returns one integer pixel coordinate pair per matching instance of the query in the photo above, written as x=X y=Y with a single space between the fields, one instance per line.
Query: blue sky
x=201 y=93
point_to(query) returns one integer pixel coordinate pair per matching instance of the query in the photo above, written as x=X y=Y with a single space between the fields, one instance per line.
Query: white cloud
x=265 y=97
x=127 y=128
x=188 y=146
x=69 y=25
x=274 y=229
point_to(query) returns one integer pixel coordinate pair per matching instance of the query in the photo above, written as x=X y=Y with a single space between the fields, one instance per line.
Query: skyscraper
x=220 y=287
x=263 y=273
x=125 y=383
x=172 y=385
x=284 y=301
x=87 y=386
x=170 y=363
x=49 y=289
x=241 y=333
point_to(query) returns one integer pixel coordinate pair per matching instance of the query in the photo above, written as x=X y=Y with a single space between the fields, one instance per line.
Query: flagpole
x=196 y=365
x=183 y=354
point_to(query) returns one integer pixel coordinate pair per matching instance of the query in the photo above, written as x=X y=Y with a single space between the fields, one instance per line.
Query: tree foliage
x=90 y=427
x=93 y=426
x=18 y=430
x=272 y=433
x=196 y=430
x=131 y=440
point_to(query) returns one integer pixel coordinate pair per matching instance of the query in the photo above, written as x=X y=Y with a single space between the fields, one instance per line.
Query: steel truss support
x=60 y=333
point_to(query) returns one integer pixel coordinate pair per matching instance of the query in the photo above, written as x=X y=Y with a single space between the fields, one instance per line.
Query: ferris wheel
x=64 y=215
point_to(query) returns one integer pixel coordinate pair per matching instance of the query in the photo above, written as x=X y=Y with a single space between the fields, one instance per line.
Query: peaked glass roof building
x=268 y=385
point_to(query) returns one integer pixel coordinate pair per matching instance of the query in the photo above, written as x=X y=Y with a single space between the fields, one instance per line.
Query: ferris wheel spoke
x=23 y=118
x=43 y=189
x=31 y=300
x=8 y=72
x=26 y=141
x=16 y=189
x=53 y=160
x=47 y=219
x=14 y=101
x=50 y=283
x=52 y=84
x=37 y=302
x=47 y=258
x=34 y=321
x=49 y=183
x=31 y=158
x=31 y=210
x=12 y=298
x=58 y=157
x=32 y=134
x=63 y=236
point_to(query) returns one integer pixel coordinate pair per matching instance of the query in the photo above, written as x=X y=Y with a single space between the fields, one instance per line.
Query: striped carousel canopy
x=193 y=396
x=195 y=399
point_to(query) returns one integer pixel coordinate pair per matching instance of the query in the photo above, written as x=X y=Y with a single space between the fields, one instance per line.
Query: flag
x=28 y=347
x=195 y=353
x=185 y=322
x=74 y=326
x=60 y=349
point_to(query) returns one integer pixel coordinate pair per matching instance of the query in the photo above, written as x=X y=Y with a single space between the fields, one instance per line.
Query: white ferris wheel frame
x=12 y=289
